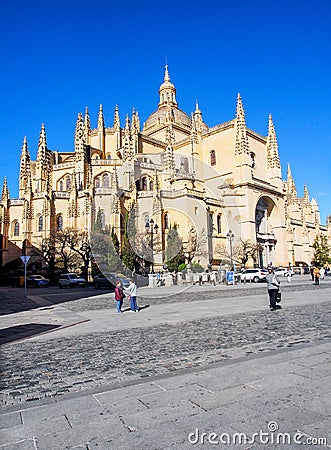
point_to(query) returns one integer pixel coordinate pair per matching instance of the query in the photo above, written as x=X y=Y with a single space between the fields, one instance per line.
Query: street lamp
x=151 y=229
x=230 y=236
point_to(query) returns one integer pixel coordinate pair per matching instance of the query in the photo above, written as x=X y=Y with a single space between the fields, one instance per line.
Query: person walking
x=289 y=274
x=322 y=273
x=273 y=285
x=132 y=291
x=317 y=276
x=119 y=295
x=312 y=273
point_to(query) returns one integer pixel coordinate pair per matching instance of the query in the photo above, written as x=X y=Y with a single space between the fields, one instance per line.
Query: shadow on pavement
x=17 y=332
x=12 y=300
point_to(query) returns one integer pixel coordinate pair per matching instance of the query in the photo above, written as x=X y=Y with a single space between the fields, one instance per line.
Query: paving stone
x=78 y=436
x=11 y=420
x=32 y=415
x=24 y=444
x=41 y=427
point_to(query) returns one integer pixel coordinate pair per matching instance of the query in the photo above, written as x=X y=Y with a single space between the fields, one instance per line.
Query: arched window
x=103 y=220
x=105 y=180
x=40 y=223
x=146 y=219
x=184 y=163
x=144 y=180
x=97 y=182
x=151 y=186
x=68 y=183
x=166 y=221
x=16 y=229
x=59 y=223
x=253 y=163
x=212 y=158
x=108 y=157
x=211 y=223
x=61 y=185
x=219 y=223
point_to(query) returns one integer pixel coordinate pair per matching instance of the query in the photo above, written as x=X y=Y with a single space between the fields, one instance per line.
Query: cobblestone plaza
x=77 y=375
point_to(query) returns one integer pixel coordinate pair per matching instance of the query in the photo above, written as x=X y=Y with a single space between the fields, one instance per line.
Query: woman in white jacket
x=132 y=291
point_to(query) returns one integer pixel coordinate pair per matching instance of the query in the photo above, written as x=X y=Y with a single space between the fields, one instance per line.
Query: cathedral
x=217 y=185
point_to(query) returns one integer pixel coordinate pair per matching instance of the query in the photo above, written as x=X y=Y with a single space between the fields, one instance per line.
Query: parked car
x=108 y=280
x=123 y=279
x=280 y=271
x=71 y=280
x=103 y=281
x=255 y=275
x=37 y=281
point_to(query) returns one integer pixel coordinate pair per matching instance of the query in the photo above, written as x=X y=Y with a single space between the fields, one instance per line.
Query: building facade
x=176 y=170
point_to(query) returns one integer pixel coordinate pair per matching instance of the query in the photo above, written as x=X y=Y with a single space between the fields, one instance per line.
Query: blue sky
x=58 y=57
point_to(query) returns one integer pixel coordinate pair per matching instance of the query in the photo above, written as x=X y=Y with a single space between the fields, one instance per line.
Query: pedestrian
x=289 y=274
x=273 y=285
x=317 y=276
x=312 y=273
x=119 y=295
x=158 y=279
x=132 y=291
x=322 y=273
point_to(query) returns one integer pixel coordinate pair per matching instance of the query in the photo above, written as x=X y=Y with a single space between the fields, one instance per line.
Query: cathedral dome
x=158 y=117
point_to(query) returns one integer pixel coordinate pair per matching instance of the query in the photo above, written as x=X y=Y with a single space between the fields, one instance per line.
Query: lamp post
x=230 y=236
x=151 y=229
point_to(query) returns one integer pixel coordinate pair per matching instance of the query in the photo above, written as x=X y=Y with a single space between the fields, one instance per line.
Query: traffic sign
x=25 y=259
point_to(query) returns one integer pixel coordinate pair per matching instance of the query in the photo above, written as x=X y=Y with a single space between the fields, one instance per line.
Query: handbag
x=279 y=297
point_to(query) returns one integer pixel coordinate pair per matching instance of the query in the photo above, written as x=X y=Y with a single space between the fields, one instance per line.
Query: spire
x=117 y=123
x=101 y=122
x=290 y=181
x=79 y=135
x=242 y=145
x=306 y=199
x=5 y=192
x=127 y=125
x=289 y=172
x=197 y=117
x=166 y=74
x=272 y=146
x=169 y=158
x=42 y=146
x=25 y=155
x=87 y=122
x=25 y=159
x=167 y=91
x=127 y=144
x=240 y=113
x=25 y=170
x=135 y=122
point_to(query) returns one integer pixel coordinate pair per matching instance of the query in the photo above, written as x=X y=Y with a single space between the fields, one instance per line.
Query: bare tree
x=245 y=250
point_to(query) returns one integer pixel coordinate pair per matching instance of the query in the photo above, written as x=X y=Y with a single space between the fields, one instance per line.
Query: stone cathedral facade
x=174 y=169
